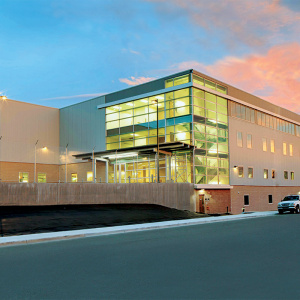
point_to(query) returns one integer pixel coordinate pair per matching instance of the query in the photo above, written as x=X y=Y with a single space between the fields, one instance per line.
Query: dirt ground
x=30 y=219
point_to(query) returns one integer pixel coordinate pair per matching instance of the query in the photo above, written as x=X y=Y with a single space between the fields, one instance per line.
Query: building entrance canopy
x=140 y=150
x=140 y=164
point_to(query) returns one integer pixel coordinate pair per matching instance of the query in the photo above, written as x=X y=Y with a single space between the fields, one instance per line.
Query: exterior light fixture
x=235 y=167
x=44 y=148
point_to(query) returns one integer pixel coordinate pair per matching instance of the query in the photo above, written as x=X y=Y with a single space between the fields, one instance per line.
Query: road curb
x=63 y=235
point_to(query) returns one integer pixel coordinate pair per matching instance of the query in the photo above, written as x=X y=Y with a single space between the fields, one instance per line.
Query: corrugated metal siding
x=82 y=126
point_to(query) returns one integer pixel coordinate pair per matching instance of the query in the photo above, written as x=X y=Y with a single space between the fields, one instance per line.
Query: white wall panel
x=258 y=159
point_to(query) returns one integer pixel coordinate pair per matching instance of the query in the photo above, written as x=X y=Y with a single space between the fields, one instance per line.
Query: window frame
x=251 y=146
x=249 y=173
x=272 y=145
x=265 y=144
x=270 y=198
x=239 y=142
x=238 y=173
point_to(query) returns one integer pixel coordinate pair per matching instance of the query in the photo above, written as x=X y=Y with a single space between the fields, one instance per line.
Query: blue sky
x=59 y=52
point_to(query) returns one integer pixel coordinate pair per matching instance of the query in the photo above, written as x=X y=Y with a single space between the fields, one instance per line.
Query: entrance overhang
x=140 y=150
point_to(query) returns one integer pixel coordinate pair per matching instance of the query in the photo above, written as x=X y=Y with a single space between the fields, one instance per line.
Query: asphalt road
x=247 y=259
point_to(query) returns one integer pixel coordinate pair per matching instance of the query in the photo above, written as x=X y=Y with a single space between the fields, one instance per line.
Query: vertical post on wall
x=66 y=172
x=0 y=158
x=94 y=165
x=106 y=171
x=194 y=176
x=175 y=168
x=170 y=167
x=116 y=166
x=186 y=168
x=34 y=179
x=157 y=132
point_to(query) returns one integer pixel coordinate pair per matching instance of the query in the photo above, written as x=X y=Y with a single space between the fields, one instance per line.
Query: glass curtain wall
x=134 y=123
x=189 y=115
x=210 y=132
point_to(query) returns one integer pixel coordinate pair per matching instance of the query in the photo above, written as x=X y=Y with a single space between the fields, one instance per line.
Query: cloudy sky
x=59 y=52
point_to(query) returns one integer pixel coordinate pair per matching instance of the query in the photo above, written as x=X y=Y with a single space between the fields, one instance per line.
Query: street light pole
x=156 y=101
x=66 y=163
x=34 y=180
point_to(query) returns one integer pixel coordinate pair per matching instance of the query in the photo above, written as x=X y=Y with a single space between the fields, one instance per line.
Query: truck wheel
x=280 y=211
x=297 y=210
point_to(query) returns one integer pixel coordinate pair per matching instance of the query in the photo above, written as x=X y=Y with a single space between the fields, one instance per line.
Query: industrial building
x=238 y=151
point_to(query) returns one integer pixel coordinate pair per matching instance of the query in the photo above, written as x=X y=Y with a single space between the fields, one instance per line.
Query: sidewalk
x=43 y=237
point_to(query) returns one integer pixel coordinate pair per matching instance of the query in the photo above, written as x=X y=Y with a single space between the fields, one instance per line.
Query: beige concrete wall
x=174 y=195
x=9 y=171
x=259 y=159
x=258 y=197
x=254 y=100
x=21 y=125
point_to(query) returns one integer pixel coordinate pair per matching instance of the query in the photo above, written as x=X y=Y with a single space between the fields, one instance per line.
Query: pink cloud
x=253 y=23
x=274 y=76
x=136 y=80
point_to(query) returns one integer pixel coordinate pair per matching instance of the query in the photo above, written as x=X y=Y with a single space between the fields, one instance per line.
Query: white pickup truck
x=289 y=203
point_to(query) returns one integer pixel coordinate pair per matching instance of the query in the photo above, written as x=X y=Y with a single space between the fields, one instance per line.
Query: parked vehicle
x=289 y=203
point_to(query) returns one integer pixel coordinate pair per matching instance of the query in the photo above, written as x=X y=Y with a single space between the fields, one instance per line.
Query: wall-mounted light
x=44 y=148
x=202 y=191
x=235 y=167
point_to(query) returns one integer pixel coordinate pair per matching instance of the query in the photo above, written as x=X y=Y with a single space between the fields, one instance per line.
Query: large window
x=249 y=114
x=134 y=123
x=209 y=84
x=266 y=173
x=189 y=115
x=177 y=81
x=210 y=133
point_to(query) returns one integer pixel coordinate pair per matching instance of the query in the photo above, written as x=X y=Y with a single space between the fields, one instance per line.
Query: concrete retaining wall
x=174 y=195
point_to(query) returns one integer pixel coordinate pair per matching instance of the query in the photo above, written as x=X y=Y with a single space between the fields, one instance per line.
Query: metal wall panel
x=82 y=127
